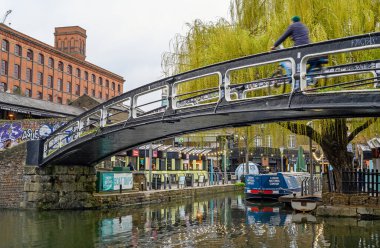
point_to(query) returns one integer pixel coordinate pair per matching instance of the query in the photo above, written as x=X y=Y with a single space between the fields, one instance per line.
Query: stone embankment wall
x=349 y=205
x=350 y=199
x=59 y=187
x=151 y=197
x=73 y=187
x=56 y=187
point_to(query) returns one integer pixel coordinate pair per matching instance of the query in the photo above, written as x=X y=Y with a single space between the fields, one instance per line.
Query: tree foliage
x=253 y=28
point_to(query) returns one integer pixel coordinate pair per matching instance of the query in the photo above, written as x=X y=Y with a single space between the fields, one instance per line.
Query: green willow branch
x=302 y=129
x=360 y=128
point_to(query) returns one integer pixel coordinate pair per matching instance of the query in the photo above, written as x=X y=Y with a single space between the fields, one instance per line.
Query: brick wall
x=56 y=187
x=12 y=163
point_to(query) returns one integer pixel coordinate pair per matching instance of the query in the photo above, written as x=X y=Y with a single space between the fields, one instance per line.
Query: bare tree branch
x=360 y=128
x=302 y=129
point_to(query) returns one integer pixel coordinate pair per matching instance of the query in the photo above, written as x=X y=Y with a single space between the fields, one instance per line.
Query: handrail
x=298 y=57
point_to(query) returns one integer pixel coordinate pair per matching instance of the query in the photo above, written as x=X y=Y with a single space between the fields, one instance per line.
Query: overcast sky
x=127 y=37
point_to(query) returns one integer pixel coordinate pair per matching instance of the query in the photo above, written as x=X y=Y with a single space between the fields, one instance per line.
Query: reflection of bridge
x=233 y=93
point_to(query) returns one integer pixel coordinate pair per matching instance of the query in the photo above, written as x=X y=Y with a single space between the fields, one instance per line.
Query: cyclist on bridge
x=297 y=31
x=300 y=36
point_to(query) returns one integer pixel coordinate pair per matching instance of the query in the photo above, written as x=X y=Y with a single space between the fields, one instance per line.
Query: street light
x=310 y=124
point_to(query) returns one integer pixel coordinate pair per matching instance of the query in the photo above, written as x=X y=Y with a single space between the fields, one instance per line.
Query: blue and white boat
x=271 y=186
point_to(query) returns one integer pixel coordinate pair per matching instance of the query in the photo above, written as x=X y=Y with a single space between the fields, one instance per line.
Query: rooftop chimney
x=71 y=40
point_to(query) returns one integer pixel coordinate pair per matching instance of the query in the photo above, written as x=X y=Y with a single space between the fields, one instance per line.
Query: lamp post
x=150 y=165
x=225 y=160
x=282 y=158
x=310 y=123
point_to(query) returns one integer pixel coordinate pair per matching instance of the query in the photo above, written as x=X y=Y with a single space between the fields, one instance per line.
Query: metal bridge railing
x=278 y=73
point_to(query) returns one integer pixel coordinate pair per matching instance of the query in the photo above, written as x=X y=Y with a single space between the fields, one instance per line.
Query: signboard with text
x=135 y=153
x=109 y=181
x=181 y=180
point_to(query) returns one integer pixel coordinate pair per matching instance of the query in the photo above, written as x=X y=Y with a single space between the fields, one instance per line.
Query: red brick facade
x=58 y=74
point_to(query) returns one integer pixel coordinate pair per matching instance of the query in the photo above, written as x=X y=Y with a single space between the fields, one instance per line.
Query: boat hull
x=256 y=197
x=304 y=205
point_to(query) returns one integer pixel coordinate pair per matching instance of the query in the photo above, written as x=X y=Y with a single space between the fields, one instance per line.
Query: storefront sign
x=201 y=179
x=181 y=180
x=135 y=153
x=110 y=181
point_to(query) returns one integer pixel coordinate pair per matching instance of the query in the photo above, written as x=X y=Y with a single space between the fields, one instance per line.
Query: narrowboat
x=271 y=186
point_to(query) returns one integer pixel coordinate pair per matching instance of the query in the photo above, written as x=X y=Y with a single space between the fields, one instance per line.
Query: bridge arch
x=232 y=93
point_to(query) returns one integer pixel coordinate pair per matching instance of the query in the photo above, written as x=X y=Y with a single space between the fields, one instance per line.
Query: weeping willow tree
x=254 y=26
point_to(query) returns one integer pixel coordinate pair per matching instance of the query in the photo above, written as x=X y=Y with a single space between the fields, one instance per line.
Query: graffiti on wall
x=13 y=133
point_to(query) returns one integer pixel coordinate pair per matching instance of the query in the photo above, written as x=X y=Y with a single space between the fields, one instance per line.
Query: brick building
x=57 y=74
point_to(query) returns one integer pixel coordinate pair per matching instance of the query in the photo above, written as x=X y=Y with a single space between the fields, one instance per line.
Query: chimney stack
x=71 y=40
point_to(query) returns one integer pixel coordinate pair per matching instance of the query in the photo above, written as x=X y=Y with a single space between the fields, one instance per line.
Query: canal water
x=223 y=221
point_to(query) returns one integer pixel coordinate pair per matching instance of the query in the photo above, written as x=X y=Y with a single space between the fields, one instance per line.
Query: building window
x=113 y=86
x=28 y=92
x=29 y=75
x=39 y=95
x=86 y=75
x=118 y=88
x=18 y=50
x=93 y=78
x=16 y=89
x=77 y=90
x=78 y=72
x=5 y=45
x=59 y=100
x=107 y=97
x=40 y=78
x=269 y=140
x=59 y=84
x=100 y=95
x=258 y=141
x=3 y=87
x=101 y=81
x=51 y=62
x=29 y=55
x=107 y=83
x=41 y=58
x=69 y=69
x=50 y=81
x=16 y=71
x=4 y=67
x=60 y=66
x=68 y=87
x=292 y=141
x=50 y=98
x=93 y=93
x=85 y=90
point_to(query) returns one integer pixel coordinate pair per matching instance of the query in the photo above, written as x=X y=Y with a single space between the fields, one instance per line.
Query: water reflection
x=225 y=221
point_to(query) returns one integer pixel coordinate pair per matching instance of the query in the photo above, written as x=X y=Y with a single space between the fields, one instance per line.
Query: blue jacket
x=298 y=32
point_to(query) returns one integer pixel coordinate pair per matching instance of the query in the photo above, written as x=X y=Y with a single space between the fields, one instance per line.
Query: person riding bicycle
x=297 y=31
x=300 y=36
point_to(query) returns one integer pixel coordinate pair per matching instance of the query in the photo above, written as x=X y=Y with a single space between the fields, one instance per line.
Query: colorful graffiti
x=13 y=133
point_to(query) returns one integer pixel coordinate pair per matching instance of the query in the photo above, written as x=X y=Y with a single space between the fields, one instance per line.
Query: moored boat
x=270 y=186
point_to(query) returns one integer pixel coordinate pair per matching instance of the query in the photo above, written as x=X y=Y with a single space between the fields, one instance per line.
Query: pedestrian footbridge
x=266 y=87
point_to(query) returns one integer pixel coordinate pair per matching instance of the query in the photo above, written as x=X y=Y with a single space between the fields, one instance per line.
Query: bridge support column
x=59 y=187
